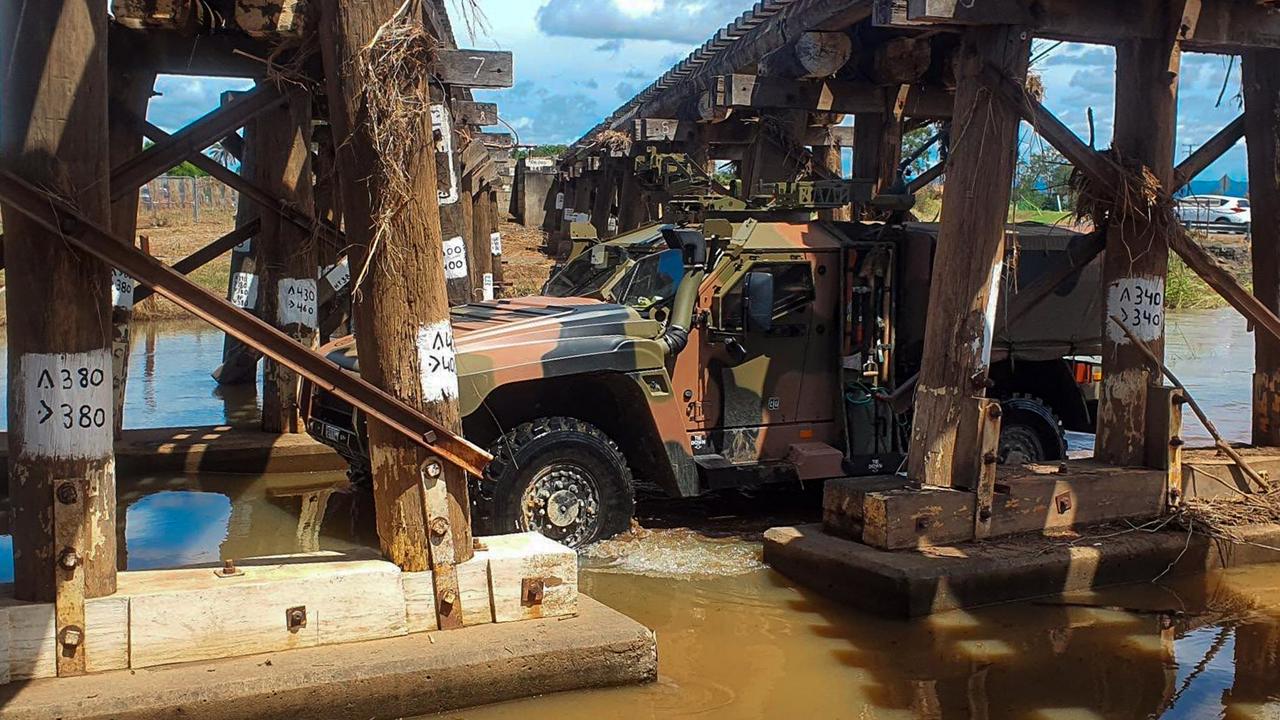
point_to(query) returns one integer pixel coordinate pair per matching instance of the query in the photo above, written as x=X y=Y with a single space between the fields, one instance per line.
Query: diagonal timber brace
x=1107 y=175
x=59 y=218
x=265 y=200
x=1211 y=150
x=131 y=174
x=206 y=254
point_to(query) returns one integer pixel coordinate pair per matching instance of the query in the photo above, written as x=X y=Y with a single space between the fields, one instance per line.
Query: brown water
x=737 y=640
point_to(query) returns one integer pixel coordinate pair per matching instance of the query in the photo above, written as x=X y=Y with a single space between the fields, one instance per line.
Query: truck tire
x=561 y=477
x=1030 y=432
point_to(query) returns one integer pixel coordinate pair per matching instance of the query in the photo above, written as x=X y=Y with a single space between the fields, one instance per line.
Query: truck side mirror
x=757 y=302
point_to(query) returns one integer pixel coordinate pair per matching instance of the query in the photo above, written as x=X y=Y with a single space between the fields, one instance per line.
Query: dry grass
x=527 y=266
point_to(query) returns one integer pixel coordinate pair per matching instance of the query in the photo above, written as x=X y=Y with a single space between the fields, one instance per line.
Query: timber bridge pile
x=770 y=92
x=370 y=196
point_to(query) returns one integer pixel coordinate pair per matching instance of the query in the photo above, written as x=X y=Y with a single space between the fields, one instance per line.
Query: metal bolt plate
x=532 y=591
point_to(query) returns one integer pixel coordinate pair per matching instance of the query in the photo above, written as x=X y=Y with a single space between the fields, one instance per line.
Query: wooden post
x=285 y=255
x=829 y=157
x=401 y=307
x=631 y=201
x=327 y=203
x=53 y=133
x=495 y=244
x=455 y=220
x=1261 y=81
x=239 y=361
x=1137 y=258
x=482 y=257
x=877 y=150
x=606 y=190
x=969 y=258
x=130 y=90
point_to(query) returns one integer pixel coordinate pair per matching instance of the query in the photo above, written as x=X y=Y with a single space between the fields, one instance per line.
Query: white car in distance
x=1218 y=211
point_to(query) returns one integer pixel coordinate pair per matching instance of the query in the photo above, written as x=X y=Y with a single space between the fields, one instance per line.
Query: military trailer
x=737 y=351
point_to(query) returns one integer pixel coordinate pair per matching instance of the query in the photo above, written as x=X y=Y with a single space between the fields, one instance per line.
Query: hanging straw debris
x=615 y=140
x=395 y=72
x=1138 y=195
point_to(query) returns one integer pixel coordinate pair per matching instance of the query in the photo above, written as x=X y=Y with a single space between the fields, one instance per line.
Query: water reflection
x=736 y=640
x=169 y=379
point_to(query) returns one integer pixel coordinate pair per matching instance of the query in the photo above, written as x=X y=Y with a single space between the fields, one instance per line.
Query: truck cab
x=737 y=351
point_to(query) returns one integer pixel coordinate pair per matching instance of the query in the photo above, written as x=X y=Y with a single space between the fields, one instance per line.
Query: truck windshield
x=586 y=274
x=653 y=279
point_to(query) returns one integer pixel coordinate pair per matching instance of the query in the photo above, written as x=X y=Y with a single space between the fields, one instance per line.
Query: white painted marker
x=65 y=405
x=443 y=129
x=495 y=243
x=1138 y=303
x=296 y=300
x=488 y=286
x=121 y=290
x=455 y=259
x=244 y=290
x=438 y=363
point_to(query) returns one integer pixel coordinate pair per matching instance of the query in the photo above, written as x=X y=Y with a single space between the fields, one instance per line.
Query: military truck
x=743 y=349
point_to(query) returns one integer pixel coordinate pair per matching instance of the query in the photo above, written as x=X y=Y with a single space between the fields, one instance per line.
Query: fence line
x=169 y=192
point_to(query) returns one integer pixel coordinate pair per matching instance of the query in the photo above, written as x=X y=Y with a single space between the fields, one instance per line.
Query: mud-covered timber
x=54 y=133
x=1137 y=256
x=967 y=269
x=402 y=314
x=1261 y=85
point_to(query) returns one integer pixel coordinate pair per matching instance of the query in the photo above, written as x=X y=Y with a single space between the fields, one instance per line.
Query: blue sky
x=577 y=60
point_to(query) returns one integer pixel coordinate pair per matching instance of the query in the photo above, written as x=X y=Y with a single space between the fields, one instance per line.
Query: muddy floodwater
x=736 y=640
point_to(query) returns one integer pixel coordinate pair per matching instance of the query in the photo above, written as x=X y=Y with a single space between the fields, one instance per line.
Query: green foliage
x=541 y=151
x=1184 y=290
x=912 y=142
x=1040 y=180
x=186 y=169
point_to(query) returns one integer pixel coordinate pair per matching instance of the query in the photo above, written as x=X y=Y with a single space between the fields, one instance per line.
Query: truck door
x=754 y=377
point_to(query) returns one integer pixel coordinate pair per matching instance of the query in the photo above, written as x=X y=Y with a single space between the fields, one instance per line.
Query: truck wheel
x=561 y=477
x=1030 y=432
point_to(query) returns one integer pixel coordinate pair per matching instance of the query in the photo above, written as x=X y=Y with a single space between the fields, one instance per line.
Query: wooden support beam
x=1206 y=154
x=968 y=265
x=815 y=54
x=480 y=243
x=226 y=54
x=1220 y=26
x=469 y=112
x=455 y=219
x=285 y=255
x=404 y=336
x=492 y=69
x=1136 y=261
x=496 y=140
x=54 y=132
x=838 y=96
x=206 y=254
x=919 y=182
x=239 y=364
x=1261 y=85
x=128 y=176
x=130 y=88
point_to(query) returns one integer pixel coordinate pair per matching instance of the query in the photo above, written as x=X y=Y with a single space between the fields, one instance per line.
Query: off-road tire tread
x=508 y=447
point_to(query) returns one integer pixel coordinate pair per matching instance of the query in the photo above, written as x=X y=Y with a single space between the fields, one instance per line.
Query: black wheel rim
x=562 y=501
x=1019 y=445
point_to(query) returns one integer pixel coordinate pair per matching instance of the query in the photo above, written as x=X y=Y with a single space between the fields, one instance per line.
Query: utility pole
x=400 y=304
x=53 y=133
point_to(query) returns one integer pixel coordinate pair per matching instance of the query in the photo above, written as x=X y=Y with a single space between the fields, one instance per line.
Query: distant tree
x=1041 y=179
x=541 y=151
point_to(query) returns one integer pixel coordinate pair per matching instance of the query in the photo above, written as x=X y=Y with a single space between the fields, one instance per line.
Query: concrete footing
x=392 y=678
x=916 y=582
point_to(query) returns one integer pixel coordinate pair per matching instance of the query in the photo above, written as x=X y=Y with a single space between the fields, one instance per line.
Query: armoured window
x=792 y=291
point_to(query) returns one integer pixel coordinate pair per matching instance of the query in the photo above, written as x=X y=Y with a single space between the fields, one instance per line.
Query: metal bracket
x=532 y=591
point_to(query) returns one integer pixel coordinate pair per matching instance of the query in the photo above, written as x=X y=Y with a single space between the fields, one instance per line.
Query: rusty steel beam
x=58 y=217
x=131 y=174
x=204 y=255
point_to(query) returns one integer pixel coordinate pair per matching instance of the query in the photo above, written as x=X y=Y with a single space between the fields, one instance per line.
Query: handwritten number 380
x=85 y=416
x=82 y=377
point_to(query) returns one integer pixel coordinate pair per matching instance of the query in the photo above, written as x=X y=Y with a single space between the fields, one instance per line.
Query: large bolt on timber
x=448 y=597
x=67 y=494
x=995 y=411
x=439 y=527
x=72 y=636
x=69 y=559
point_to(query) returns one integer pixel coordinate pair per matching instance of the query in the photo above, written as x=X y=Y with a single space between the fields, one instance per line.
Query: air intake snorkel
x=693 y=245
